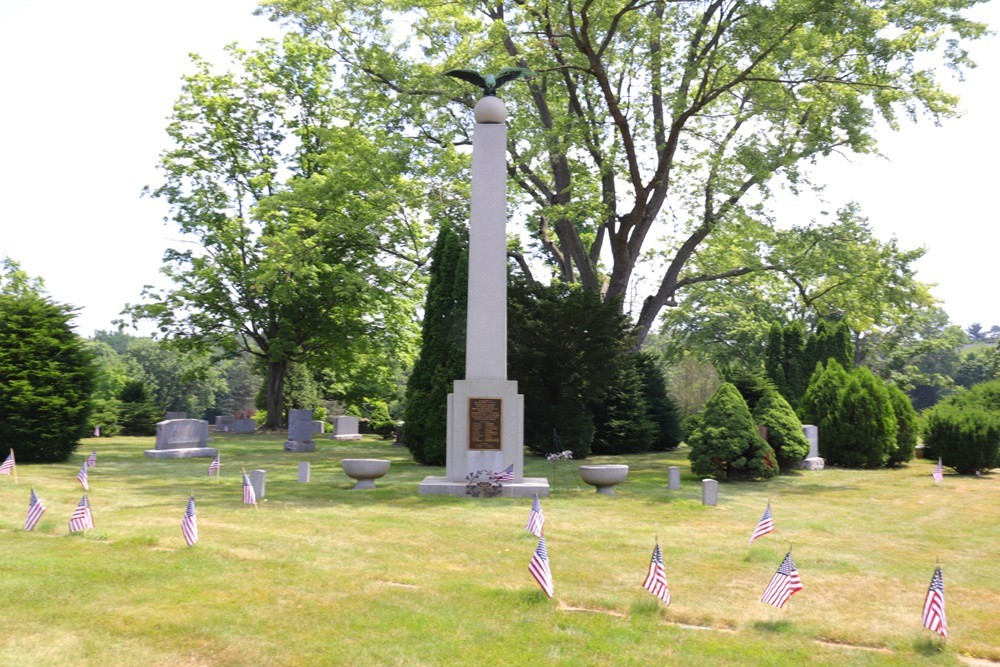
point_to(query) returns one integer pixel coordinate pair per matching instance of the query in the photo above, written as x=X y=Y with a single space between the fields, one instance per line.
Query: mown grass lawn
x=323 y=575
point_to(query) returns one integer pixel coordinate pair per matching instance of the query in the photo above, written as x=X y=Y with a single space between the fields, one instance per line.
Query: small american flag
x=189 y=524
x=92 y=459
x=535 y=519
x=505 y=475
x=934 y=619
x=249 y=496
x=784 y=584
x=82 y=519
x=35 y=511
x=656 y=578
x=82 y=476
x=8 y=464
x=539 y=567
x=938 y=472
x=213 y=467
x=764 y=526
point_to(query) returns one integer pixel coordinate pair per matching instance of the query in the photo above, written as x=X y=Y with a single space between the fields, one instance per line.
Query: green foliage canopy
x=704 y=104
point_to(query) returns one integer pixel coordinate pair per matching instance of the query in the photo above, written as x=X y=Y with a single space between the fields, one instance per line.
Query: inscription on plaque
x=484 y=423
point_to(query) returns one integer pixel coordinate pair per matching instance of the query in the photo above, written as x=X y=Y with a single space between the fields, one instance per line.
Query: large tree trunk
x=275 y=393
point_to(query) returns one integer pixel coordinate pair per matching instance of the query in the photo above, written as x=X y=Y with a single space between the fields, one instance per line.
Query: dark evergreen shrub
x=725 y=443
x=137 y=414
x=622 y=420
x=566 y=349
x=966 y=438
x=908 y=426
x=861 y=431
x=663 y=410
x=46 y=374
x=784 y=430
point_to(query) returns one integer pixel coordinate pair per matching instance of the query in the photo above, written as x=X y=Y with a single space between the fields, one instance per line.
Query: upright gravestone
x=673 y=478
x=176 y=415
x=709 y=492
x=345 y=427
x=300 y=437
x=813 y=461
x=224 y=423
x=299 y=415
x=304 y=471
x=181 y=439
x=257 y=481
x=485 y=426
x=244 y=426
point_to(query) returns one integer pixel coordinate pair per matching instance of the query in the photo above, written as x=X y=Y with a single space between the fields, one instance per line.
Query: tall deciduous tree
x=303 y=234
x=704 y=105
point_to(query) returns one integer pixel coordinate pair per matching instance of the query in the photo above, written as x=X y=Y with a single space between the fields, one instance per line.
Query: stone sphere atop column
x=491 y=110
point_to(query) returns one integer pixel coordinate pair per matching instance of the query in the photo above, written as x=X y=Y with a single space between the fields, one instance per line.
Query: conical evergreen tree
x=774 y=362
x=662 y=409
x=442 y=352
x=784 y=430
x=908 y=426
x=725 y=443
x=861 y=432
x=622 y=423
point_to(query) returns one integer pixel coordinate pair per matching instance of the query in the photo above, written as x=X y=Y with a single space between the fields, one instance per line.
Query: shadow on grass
x=772 y=626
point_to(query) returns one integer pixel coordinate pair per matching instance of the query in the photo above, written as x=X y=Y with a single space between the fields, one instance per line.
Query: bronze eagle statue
x=490 y=82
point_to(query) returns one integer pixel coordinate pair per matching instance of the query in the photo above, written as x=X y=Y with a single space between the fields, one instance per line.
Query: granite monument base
x=526 y=489
x=186 y=453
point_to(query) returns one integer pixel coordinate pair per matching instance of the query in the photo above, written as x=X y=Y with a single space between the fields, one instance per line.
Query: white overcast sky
x=87 y=88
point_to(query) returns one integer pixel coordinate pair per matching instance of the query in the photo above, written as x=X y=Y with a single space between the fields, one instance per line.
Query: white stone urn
x=604 y=477
x=366 y=471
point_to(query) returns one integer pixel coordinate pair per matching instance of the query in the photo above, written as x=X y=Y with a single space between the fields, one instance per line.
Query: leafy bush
x=725 y=443
x=861 y=430
x=46 y=374
x=965 y=437
x=908 y=426
x=784 y=430
x=380 y=421
x=622 y=421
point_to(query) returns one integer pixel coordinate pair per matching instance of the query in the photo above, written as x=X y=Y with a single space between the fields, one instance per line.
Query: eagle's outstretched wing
x=510 y=74
x=469 y=75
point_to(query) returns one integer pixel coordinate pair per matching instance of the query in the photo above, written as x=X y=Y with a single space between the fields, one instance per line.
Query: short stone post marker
x=709 y=492
x=304 y=471
x=673 y=478
x=257 y=482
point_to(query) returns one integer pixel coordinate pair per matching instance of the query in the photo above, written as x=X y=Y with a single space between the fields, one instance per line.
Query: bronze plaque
x=484 y=423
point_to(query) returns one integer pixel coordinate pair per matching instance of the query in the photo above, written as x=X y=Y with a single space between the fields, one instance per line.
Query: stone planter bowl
x=365 y=471
x=604 y=477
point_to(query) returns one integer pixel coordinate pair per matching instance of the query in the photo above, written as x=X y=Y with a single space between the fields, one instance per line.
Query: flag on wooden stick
x=506 y=475
x=92 y=459
x=656 y=578
x=249 y=495
x=938 y=473
x=934 y=618
x=213 y=467
x=189 y=524
x=539 y=567
x=535 y=519
x=784 y=584
x=764 y=526
x=8 y=464
x=82 y=519
x=35 y=511
x=82 y=476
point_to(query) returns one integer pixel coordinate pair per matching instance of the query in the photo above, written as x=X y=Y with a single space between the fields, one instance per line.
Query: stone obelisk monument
x=485 y=412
